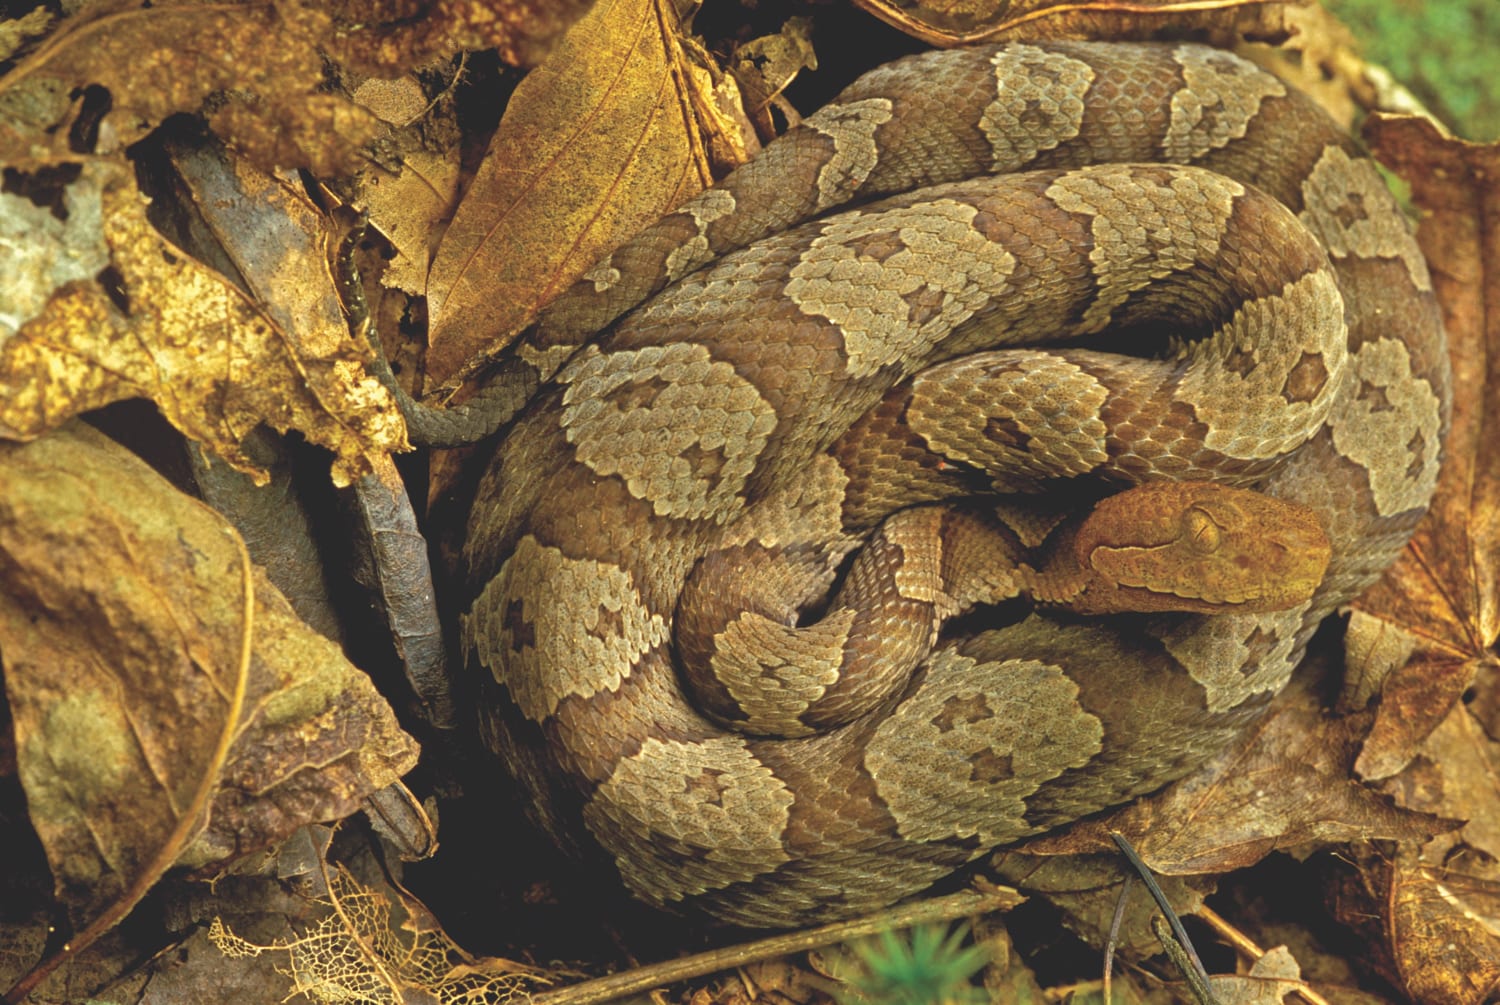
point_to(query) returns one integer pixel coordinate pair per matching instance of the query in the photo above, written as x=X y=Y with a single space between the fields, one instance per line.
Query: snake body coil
x=805 y=400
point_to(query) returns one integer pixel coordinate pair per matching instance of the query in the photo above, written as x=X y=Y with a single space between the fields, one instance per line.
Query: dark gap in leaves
x=44 y=187
x=1056 y=956
x=173 y=209
x=1283 y=901
x=83 y=135
x=314 y=191
x=479 y=99
x=113 y=285
x=1217 y=956
x=139 y=427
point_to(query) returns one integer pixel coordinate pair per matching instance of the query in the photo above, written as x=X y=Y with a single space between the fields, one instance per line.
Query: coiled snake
x=865 y=403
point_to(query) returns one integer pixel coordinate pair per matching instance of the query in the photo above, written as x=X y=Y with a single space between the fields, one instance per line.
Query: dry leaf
x=1271 y=978
x=168 y=706
x=971 y=21
x=395 y=35
x=597 y=142
x=765 y=66
x=1422 y=934
x=1434 y=909
x=131 y=65
x=1441 y=602
x=1287 y=782
x=357 y=953
x=410 y=205
x=157 y=324
x=1086 y=889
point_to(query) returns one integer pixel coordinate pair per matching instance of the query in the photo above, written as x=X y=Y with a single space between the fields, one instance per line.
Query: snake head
x=1198 y=547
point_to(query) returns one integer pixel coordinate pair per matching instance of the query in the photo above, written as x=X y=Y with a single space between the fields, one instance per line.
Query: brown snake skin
x=685 y=487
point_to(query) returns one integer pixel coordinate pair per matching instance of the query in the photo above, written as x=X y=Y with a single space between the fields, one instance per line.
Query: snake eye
x=1201 y=532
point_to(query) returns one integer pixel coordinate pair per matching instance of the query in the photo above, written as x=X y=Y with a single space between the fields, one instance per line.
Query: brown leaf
x=169 y=708
x=597 y=142
x=1438 y=905
x=1271 y=978
x=168 y=57
x=396 y=35
x=1422 y=930
x=1285 y=783
x=1440 y=603
x=157 y=324
x=945 y=24
x=1086 y=889
x=410 y=207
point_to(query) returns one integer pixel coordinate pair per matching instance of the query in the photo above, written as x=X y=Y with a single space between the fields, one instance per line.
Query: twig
x=1248 y=946
x=1114 y=936
x=641 y=979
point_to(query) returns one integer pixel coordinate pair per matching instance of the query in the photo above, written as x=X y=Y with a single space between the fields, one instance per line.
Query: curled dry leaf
x=168 y=706
x=1220 y=21
x=157 y=324
x=597 y=142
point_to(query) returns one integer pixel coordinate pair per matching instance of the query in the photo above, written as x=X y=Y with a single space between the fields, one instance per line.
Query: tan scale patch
x=686 y=818
x=545 y=361
x=684 y=431
x=548 y=626
x=894 y=306
x=1244 y=404
x=1038 y=103
x=1388 y=423
x=1235 y=657
x=959 y=757
x=852 y=127
x=1147 y=222
x=709 y=206
x=1049 y=408
x=603 y=276
x=808 y=510
x=1222 y=94
x=1351 y=210
x=918 y=533
x=776 y=673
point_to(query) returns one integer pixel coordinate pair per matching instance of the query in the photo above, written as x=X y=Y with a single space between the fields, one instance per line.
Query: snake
x=980 y=456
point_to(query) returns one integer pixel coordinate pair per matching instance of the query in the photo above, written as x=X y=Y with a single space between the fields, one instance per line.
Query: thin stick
x=1249 y=947
x=940 y=909
x=1177 y=952
x=1114 y=935
x=1128 y=850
